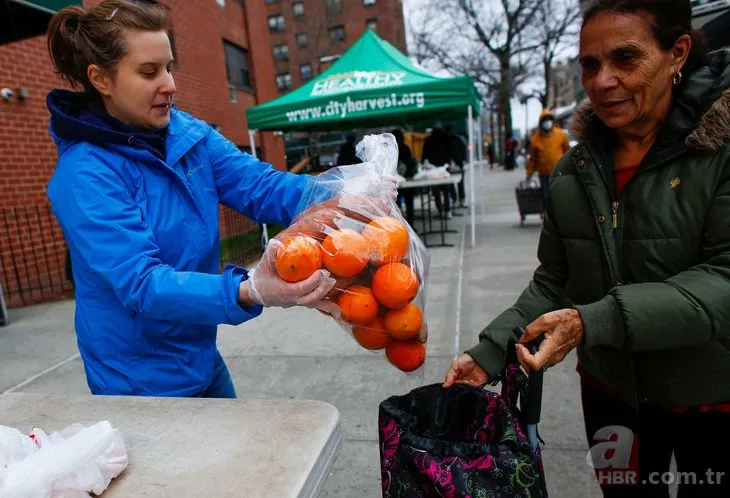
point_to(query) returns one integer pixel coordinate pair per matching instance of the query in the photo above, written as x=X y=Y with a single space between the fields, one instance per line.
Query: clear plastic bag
x=351 y=226
x=68 y=464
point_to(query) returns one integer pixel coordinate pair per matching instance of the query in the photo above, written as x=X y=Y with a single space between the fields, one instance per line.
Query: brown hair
x=672 y=19
x=78 y=38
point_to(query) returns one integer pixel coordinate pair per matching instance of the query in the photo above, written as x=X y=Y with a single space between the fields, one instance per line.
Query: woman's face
x=140 y=92
x=626 y=74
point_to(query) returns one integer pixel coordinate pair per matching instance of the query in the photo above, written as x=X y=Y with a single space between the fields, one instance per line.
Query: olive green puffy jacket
x=649 y=272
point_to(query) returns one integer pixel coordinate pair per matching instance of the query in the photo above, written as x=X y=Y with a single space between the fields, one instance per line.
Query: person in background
x=347 y=153
x=547 y=145
x=510 y=150
x=437 y=150
x=634 y=253
x=407 y=168
x=459 y=156
x=136 y=191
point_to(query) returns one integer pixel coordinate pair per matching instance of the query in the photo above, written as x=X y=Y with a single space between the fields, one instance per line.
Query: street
x=298 y=353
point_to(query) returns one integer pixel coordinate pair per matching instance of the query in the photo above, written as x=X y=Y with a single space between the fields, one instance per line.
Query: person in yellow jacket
x=547 y=144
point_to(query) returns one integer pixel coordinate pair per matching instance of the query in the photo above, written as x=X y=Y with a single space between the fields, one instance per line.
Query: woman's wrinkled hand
x=464 y=370
x=563 y=331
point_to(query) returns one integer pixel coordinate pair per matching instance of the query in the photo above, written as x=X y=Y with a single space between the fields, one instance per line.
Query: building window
x=276 y=22
x=237 y=66
x=281 y=52
x=334 y=6
x=368 y=2
x=337 y=34
x=298 y=9
x=273 y=1
x=372 y=24
x=283 y=81
x=302 y=41
x=305 y=70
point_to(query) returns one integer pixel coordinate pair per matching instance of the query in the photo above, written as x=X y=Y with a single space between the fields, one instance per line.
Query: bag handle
x=534 y=382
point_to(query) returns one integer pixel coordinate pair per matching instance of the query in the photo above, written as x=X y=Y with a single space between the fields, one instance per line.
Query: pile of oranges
x=376 y=285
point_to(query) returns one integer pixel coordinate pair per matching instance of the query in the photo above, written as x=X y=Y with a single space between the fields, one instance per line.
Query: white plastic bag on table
x=353 y=228
x=66 y=464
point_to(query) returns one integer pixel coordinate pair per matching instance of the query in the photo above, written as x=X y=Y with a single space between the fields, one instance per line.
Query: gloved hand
x=266 y=288
x=389 y=185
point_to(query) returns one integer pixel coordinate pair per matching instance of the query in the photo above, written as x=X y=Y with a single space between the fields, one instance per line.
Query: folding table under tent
x=372 y=85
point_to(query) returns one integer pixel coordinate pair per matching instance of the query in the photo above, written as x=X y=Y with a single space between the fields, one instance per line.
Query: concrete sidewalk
x=301 y=354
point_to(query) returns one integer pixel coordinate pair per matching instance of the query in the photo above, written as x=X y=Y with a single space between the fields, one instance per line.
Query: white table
x=454 y=179
x=195 y=447
x=426 y=185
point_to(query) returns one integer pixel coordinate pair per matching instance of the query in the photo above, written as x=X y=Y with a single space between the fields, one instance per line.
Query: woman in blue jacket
x=136 y=191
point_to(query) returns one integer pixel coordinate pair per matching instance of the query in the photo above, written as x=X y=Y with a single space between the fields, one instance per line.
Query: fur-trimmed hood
x=701 y=108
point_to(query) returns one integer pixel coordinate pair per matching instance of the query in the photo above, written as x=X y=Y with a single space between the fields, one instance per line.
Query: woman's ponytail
x=63 y=30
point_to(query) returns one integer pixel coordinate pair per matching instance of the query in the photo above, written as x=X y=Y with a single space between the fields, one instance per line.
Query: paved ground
x=302 y=354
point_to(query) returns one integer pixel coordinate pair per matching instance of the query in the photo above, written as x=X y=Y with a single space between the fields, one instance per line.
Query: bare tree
x=555 y=28
x=479 y=38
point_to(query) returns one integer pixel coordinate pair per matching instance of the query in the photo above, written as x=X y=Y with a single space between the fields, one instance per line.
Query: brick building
x=307 y=35
x=225 y=66
x=561 y=92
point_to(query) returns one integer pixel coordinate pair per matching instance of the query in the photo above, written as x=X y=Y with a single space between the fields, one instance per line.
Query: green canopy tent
x=371 y=85
x=20 y=19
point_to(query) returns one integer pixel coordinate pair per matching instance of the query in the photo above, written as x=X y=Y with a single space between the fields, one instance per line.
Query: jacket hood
x=75 y=119
x=700 y=111
x=546 y=114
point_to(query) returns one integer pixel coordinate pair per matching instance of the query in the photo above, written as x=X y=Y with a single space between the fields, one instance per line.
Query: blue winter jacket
x=140 y=216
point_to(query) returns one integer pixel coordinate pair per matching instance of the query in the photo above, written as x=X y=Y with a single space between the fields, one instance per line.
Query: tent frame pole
x=264 y=228
x=470 y=123
x=480 y=159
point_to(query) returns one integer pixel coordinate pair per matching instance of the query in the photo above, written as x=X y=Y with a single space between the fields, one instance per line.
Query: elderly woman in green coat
x=635 y=251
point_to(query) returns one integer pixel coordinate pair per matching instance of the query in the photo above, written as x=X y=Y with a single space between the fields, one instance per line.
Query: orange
x=360 y=208
x=404 y=323
x=406 y=355
x=388 y=239
x=297 y=258
x=358 y=305
x=341 y=283
x=395 y=285
x=345 y=253
x=372 y=335
x=315 y=223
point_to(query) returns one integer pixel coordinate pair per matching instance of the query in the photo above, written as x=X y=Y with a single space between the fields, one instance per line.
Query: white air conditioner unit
x=221 y=3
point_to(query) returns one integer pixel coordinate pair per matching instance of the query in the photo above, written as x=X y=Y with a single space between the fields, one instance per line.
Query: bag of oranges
x=351 y=226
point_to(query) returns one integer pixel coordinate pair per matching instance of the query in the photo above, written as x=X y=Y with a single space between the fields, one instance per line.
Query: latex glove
x=389 y=186
x=266 y=288
x=465 y=370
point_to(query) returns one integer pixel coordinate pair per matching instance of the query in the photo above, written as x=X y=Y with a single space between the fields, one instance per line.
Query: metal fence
x=34 y=262
x=33 y=256
x=240 y=238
